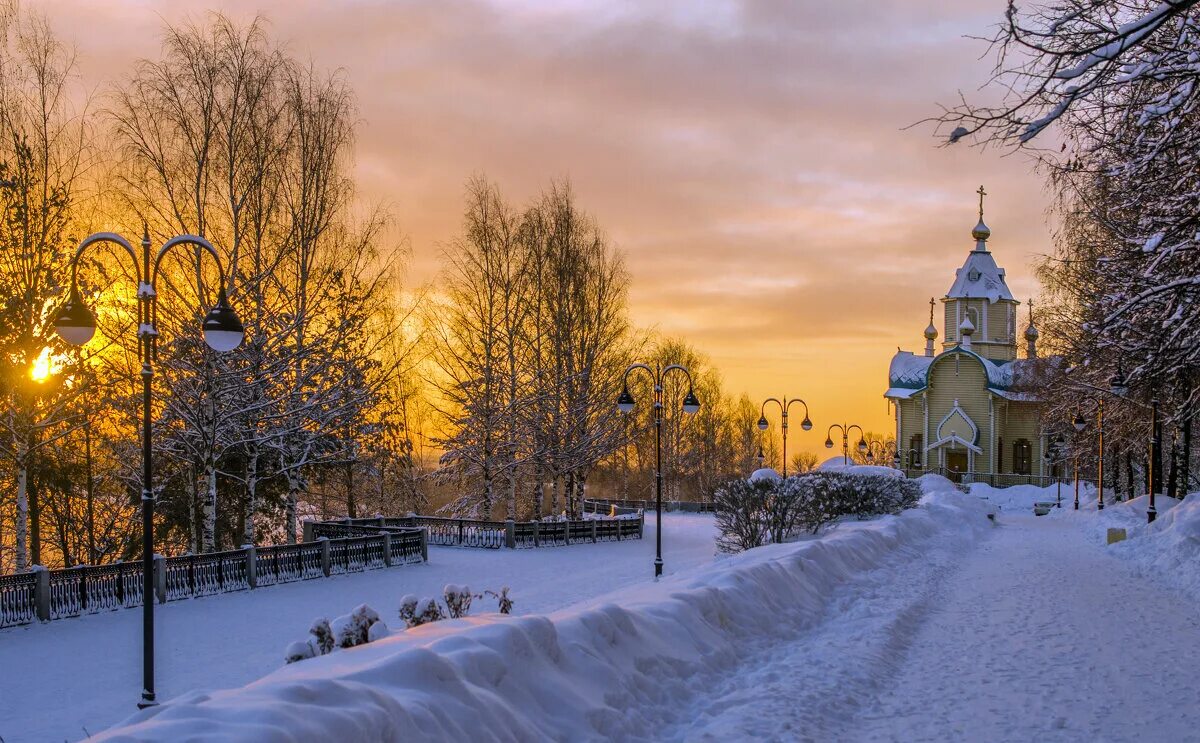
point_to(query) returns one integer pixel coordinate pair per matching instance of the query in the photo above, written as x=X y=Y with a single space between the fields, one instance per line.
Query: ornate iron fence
x=285 y=563
x=17 y=600
x=620 y=507
x=449 y=532
x=204 y=575
x=56 y=594
x=94 y=588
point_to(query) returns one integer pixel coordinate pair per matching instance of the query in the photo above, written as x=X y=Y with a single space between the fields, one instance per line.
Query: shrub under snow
x=359 y=627
x=753 y=513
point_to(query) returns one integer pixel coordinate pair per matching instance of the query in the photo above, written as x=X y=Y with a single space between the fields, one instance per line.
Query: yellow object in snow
x=1115 y=535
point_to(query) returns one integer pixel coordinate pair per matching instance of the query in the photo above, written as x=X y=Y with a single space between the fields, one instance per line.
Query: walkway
x=1033 y=634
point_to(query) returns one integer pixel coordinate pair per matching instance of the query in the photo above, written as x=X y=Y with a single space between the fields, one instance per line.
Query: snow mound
x=764 y=474
x=1169 y=548
x=598 y=671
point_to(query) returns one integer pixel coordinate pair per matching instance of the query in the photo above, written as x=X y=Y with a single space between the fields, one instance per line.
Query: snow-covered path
x=1042 y=636
x=1034 y=633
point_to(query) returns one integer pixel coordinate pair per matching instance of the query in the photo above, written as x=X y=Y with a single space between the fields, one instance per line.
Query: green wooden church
x=959 y=410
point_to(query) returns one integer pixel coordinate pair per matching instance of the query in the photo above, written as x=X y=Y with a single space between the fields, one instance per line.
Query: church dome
x=1031 y=333
x=930 y=332
x=967 y=327
x=981 y=231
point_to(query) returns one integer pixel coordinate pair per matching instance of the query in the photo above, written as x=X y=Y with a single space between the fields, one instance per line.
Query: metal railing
x=622 y=506
x=449 y=532
x=71 y=592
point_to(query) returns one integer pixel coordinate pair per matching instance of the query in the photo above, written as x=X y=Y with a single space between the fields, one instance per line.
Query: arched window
x=1022 y=456
x=916 y=451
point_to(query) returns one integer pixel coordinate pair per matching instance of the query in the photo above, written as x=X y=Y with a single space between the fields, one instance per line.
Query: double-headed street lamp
x=691 y=405
x=806 y=424
x=883 y=448
x=222 y=332
x=862 y=440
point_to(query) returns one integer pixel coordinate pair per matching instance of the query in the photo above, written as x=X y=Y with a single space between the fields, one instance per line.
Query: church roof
x=979 y=278
x=909 y=374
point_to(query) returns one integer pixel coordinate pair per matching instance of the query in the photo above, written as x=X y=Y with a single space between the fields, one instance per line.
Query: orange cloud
x=749 y=158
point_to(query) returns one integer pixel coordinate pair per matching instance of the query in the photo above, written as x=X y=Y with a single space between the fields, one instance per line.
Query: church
x=960 y=411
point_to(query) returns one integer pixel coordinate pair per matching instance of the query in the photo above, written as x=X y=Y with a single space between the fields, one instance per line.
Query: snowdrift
x=1169 y=548
x=593 y=672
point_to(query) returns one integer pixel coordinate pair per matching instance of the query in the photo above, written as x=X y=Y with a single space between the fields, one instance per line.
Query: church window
x=1022 y=456
x=916 y=450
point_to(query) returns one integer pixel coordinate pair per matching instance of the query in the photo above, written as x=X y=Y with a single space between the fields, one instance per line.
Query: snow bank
x=594 y=672
x=1169 y=548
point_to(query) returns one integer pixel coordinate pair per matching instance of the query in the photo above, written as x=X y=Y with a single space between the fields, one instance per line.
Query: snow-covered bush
x=752 y=513
x=458 y=600
x=417 y=611
x=739 y=506
x=319 y=642
x=353 y=629
x=504 y=603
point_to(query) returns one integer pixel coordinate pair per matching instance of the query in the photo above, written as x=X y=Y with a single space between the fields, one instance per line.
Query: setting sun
x=43 y=366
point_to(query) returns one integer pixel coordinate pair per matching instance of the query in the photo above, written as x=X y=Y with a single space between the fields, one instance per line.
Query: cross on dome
x=981 y=232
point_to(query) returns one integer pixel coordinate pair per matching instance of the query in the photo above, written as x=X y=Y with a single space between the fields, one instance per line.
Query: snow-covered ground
x=65 y=679
x=935 y=625
x=637 y=669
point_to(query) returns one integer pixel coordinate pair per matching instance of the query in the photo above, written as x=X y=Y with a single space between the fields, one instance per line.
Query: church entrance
x=956 y=463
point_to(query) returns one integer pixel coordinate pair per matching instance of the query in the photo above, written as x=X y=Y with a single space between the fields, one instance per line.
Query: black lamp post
x=222 y=332
x=1053 y=456
x=691 y=405
x=1079 y=424
x=1118 y=388
x=862 y=440
x=806 y=424
x=883 y=449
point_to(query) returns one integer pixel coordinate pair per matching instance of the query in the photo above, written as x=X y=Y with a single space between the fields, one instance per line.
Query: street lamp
x=1051 y=455
x=806 y=424
x=883 y=448
x=862 y=440
x=691 y=405
x=222 y=331
x=1079 y=424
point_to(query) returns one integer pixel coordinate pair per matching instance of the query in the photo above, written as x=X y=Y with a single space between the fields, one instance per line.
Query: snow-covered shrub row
x=620 y=667
x=359 y=627
x=750 y=513
x=457 y=603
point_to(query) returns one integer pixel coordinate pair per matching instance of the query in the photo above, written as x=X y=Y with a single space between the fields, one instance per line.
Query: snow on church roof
x=979 y=278
x=909 y=374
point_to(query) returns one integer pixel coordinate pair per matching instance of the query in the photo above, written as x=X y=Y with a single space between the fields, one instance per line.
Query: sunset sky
x=748 y=158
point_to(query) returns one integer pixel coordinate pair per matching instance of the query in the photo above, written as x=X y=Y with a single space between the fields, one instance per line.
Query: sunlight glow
x=43 y=366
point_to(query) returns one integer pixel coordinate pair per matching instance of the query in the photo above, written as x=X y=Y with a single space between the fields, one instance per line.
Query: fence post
x=387 y=549
x=510 y=534
x=642 y=524
x=460 y=533
x=325 y=566
x=251 y=565
x=160 y=579
x=593 y=531
x=537 y=531
x=41 y=592
x=618 y=524
x=308 y=530
x=424 y=545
